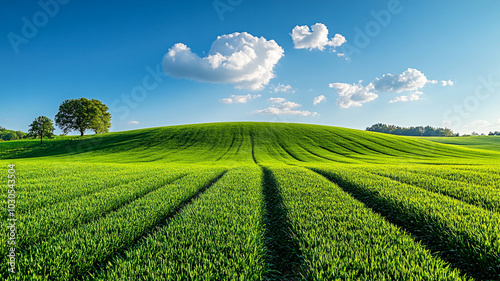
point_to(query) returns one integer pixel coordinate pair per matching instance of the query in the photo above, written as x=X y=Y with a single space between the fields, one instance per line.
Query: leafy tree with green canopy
x=101 y=121
x=41 y=127
x=83 y=114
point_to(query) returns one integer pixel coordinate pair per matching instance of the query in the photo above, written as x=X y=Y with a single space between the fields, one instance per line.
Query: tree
x=41 y=127
x=83 y=114
x=101 y=121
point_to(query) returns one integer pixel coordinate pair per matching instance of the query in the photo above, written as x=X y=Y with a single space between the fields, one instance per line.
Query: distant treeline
x=412 y=131
x=6 y=135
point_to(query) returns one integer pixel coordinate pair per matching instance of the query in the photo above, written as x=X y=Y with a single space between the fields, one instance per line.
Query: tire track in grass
x=464 y=235
x=253 y=147
x=288 y=152
x=229 y=148
x=283 y=253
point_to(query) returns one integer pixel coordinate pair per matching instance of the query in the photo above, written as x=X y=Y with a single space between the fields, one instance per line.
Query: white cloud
x=446 y=83
x=319 y=99
x=412 y=97
x=284 y=107
x=410 y=80
x=282 y=88
x=238 y=58
x=133 y=122
x=353 y=95
x=276 y=100
x=239 y=99
x=303 y=38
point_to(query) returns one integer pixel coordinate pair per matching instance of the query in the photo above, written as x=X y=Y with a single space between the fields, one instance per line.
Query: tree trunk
x=41 y=139
x=81 y=133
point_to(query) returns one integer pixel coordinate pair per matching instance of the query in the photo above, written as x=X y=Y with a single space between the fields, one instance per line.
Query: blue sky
x=114 y=51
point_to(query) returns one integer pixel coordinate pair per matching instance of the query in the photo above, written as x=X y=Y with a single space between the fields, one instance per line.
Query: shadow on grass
x=283 y=257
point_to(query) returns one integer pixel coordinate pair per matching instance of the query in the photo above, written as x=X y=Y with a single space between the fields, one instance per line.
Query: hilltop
x=242 y=142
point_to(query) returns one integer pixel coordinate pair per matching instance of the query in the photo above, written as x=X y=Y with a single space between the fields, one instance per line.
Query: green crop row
x=75 y=252
x=217 y=237
x=341 y=239
x=466 y=235
x=482 y=196
x=46 y=222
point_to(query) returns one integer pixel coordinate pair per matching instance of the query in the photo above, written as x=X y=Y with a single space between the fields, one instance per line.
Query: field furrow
x=484 y=197
x=217 y=237
x=463 y=234
x=78 y=251
x=41 y=224
x=341 y=239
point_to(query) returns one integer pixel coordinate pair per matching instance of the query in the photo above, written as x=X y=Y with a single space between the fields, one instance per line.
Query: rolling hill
x=242 y=143
x=249 y=201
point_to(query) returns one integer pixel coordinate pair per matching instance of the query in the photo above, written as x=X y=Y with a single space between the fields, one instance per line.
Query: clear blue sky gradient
x=102 y=49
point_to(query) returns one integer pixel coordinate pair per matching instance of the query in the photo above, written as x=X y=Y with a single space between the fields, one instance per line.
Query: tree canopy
x=7 y=135
x=412 y=131
x=41 y=127
x=83 y=114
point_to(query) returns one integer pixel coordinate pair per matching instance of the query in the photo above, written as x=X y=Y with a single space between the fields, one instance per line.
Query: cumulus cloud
x=239 y=99
x=315 y=37
x=319 y=99
x=353 y=95
x=284 y=107
x=282 y=88
x=133 y=122
x=446 y=83
x=412 y=97
x=411 y=80
x=238 y=58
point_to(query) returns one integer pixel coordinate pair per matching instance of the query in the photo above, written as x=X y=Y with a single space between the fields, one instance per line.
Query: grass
x=253 y=201
x=481 y=142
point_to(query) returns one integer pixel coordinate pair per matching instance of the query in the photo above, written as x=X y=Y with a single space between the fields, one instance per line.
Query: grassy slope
x=480 y=142
x=237 y=143
x=65 y=172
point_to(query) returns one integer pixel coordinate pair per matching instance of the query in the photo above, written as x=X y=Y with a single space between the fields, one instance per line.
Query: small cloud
x=446 y=83
x=319 y=99
x=315 y=37
x=282 y=88
x=276 y=100
x=284 y=107
x=239 y=99
x=133 y=122
x=412 y=97
x=410 y=80
x=353 y=95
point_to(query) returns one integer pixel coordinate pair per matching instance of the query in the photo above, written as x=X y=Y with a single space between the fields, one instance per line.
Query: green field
x=253 y=201
x=481 y=142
